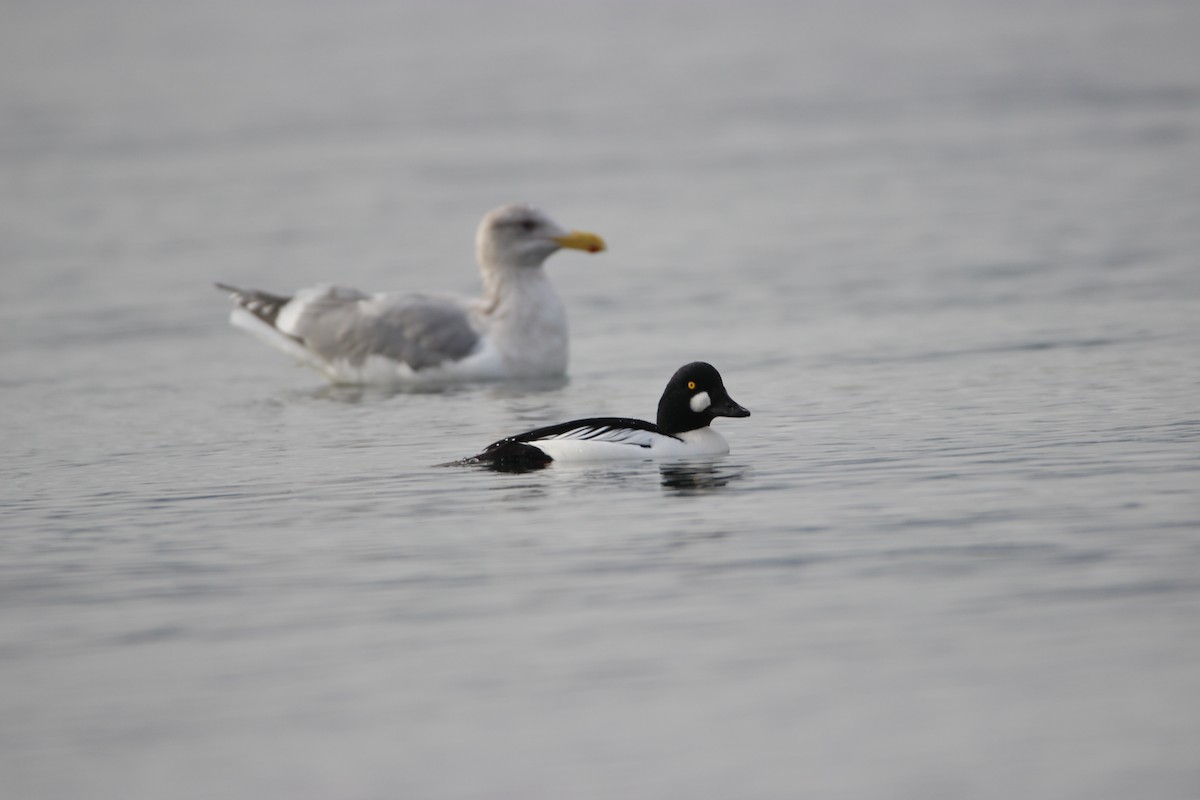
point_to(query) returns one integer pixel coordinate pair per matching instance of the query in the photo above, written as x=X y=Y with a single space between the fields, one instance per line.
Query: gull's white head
x=523 y=236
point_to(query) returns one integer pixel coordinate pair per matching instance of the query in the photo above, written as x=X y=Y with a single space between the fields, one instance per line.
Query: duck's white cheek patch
x=700 y=401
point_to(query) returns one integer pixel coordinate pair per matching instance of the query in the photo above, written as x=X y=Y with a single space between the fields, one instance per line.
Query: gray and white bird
x=517 y=329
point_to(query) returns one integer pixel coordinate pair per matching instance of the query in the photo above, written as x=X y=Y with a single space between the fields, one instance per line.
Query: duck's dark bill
x=728 y=408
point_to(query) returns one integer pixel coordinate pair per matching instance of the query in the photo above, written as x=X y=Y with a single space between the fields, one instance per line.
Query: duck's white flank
x=635 y=444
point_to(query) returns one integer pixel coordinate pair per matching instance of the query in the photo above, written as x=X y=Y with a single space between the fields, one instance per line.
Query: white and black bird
x=518 y=329
x=694 y=397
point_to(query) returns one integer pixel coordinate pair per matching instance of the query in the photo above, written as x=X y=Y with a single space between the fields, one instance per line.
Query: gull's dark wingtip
x=264 y=305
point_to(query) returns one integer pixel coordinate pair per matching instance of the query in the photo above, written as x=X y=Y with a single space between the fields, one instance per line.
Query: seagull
x=518 y=329
x=694 y=397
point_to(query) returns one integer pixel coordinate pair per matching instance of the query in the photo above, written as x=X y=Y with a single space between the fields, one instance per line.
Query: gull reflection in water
x=694 y=477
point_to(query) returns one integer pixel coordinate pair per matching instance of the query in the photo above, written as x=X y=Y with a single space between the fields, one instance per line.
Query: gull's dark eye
x=528 y=225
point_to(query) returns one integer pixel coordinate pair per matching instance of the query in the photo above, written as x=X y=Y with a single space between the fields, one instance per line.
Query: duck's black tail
x=506 y=455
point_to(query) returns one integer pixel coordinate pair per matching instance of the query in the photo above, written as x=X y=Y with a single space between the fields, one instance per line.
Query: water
x=945 y=252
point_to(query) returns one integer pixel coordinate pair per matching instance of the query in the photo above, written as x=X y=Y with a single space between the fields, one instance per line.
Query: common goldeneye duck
x=518 y=329
x=694 y=397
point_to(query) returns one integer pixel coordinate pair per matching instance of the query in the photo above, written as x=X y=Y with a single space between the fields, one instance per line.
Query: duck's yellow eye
x=691 y=384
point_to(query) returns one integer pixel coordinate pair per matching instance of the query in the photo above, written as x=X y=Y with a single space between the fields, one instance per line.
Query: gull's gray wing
x=345 y=324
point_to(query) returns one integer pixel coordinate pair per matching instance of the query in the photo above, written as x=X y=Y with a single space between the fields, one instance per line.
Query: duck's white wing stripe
x=590 y=433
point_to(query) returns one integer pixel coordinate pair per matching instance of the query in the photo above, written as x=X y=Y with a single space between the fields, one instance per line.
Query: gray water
x=946 y=253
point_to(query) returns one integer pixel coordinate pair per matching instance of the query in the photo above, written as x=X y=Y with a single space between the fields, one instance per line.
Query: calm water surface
x=946 y=253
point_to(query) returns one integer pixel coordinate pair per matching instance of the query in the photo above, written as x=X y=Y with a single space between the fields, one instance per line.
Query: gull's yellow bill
x=581 y=240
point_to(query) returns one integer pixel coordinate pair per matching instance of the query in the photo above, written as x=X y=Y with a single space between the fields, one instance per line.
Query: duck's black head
x=694 y=397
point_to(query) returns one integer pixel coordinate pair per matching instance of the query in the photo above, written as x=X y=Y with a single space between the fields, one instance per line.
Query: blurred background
x=946 y=252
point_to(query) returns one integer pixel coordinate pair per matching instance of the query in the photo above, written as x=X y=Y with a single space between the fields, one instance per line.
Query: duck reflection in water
x=690 y=478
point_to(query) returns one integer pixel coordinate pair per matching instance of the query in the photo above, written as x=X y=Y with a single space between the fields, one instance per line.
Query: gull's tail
x=257 y=312
x=263 y=305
